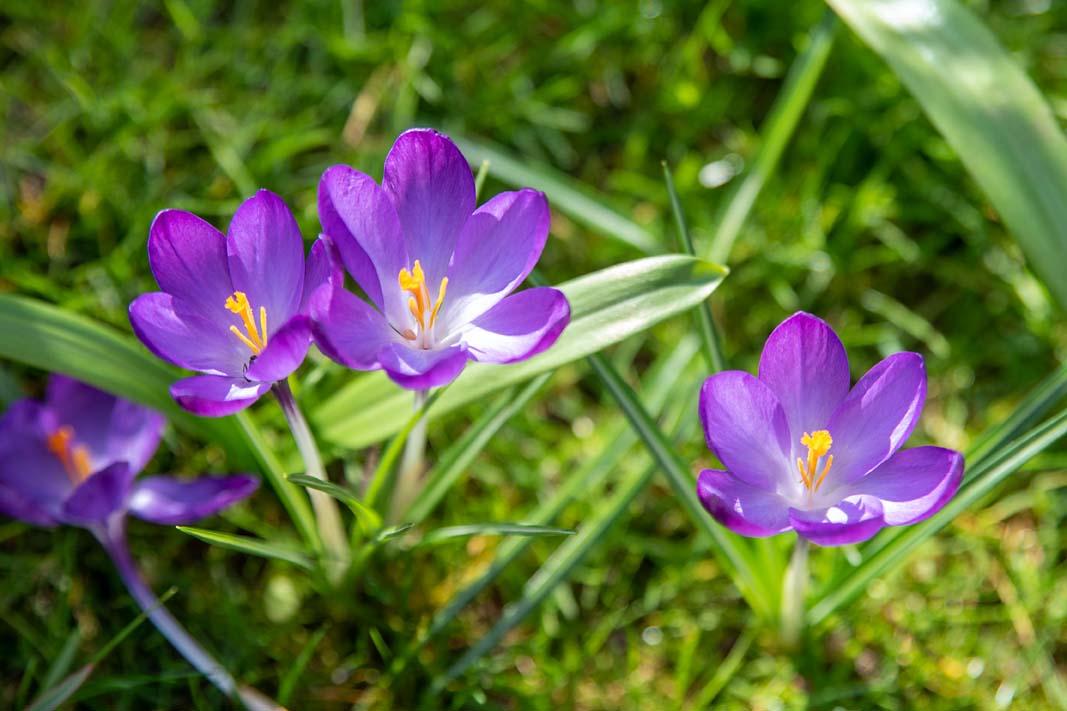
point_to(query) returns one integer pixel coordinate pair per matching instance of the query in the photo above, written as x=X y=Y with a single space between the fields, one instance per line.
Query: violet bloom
x=802 y=451
x=439 y=273
x=232 y=307
x=73 y=459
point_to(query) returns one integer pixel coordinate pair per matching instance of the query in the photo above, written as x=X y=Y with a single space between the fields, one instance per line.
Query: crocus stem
x=326 y=512
x=411 y=464
x=794 y=592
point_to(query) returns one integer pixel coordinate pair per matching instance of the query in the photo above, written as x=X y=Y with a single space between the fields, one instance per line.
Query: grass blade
x=526 y=530
x=250 y=546
x=987 y=109
x=368 y=518
x=57 y=695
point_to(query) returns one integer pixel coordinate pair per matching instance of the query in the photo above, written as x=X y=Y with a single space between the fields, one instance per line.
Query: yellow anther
x=253 y=337
x=818 y=444
x=440 y=300
x=414 y=282
x=75 y=460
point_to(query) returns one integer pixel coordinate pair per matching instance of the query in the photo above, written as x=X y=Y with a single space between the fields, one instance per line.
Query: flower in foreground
x=803 y=451
x=73 y=459
x=232 y=307
x=439 y=273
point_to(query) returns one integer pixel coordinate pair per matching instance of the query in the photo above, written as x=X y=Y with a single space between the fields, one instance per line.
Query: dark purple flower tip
x=438 y=271
x=170 y=501
x=52 y=452
x=216 y=395
x=802 y=451
x=224 y=299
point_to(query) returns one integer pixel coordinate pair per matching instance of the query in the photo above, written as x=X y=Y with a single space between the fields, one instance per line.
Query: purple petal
x=431 y=185
x=323 y=270
x=745 y=427
x=360 y=218
x=742 y=508
x=913 y=484
x=852 y=520
x=216 y=395
x=170 y=501
x=100 y=496
x=188 y=259
x=499 y=245
x=519 y=327
x=284 y=353
x=805 y=364
x=112 y=429
x=15 y=504
x=266 y=258
x=348 y=329
x=877 y=416
x=418 y=369
x=34 y=476
x=180 y=334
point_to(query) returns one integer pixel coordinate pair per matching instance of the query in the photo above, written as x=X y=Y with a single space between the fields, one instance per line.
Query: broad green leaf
x=528 y=530
x=606 y=307
x=368 y=518
x=46 y=337
x=251 y=546
x=988 y=110
x=564 y=194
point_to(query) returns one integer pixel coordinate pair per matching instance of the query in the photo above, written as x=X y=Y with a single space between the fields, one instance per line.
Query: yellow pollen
x=75 y=460
x=254 y=337
x=818 y=444
x=414 y=282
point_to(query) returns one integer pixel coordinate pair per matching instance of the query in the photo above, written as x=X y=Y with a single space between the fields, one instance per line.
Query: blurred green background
x=115 y=110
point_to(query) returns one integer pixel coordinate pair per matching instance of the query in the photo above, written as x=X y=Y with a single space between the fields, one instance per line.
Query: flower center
x=254 y=338
x=818 y=444
x=414 y=282
x=75 y=459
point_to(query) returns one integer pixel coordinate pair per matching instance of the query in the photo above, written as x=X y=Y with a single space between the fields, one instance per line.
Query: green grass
x=112 y=111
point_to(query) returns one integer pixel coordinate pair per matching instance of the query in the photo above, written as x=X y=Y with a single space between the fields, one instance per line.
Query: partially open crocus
x=439 y=273
x=232 y=306
x=73 y=459
x=802 y=451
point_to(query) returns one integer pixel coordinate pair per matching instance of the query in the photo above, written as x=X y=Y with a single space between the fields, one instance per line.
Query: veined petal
x=188 y=259
x=852 y=520
x=284 y=353
x=348 y=330
x=171 y=501
x=499 y=245
x=519 y=327
x=360 y=218
x=216 y=395
x=432 y=188
x=742 y=508
x=418 y=369
x=180 y=333
x=746 y=428
x=112 y=429
x=913 y=484
x=265 y=254
x=100 y=496
x=805 y=364
x=877 y=416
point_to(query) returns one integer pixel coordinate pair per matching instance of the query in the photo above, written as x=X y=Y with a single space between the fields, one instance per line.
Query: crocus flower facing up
x=439 y=273
x=73 y=459
x=232 y=306
x=803 y=451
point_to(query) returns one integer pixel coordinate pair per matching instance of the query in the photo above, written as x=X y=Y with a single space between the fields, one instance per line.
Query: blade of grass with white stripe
x=607 y=306
x=251 y=546
x=469 y=530
x=987 y=108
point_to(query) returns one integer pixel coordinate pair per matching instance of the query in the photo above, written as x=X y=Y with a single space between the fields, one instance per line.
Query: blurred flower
x=233 y=308
x=73 y=459
x=804 y=452
x=438 y=272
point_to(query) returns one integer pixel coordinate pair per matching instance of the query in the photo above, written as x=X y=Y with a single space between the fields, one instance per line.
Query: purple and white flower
x=439 y=273
x=802 y=451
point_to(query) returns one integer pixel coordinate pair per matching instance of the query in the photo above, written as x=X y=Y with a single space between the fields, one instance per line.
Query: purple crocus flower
x=232 y=307
x=439 y=273
x=73 y=459
x=802 y=451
